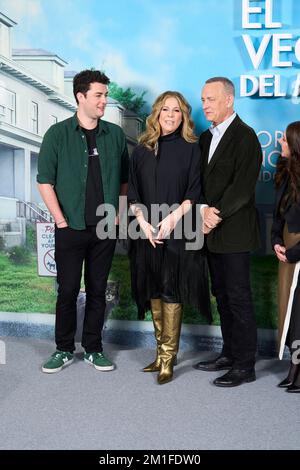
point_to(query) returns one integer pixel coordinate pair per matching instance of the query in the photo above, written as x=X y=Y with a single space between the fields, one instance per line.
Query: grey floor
x=81 y=408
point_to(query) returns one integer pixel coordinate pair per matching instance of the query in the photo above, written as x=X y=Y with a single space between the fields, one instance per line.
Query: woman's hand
x=149 y=231
x=280 y=253
x=167 y=225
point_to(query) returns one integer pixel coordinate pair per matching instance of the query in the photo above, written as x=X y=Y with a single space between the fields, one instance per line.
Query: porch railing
x=32 y=212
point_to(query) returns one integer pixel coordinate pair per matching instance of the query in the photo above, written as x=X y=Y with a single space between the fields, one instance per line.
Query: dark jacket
x=291 y=216
x=228 y=184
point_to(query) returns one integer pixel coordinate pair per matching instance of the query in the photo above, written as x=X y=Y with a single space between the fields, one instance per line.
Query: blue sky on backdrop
x=150 y=44
x=153 y=45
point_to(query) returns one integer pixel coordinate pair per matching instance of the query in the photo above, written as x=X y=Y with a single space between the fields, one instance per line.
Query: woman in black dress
x=165 y=169
x=286 y=244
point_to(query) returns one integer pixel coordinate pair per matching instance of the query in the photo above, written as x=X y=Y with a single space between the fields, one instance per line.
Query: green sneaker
x=99 y=361
x=57 y=361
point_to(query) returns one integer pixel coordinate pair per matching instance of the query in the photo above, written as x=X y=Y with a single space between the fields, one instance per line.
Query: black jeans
x=72 y=248
x=230 y=277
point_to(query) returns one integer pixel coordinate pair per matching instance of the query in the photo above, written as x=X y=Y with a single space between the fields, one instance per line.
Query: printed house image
x=35 y=92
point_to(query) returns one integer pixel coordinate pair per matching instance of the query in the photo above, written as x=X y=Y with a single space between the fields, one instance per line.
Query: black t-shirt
x=94 y=187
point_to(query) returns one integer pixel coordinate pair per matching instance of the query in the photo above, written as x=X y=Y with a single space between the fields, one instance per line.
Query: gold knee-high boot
x=172 y=318
x=156 y=310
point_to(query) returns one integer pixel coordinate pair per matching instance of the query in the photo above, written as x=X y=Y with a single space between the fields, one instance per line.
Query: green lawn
x=126 y=310
x=264 y=286
x=22 y=290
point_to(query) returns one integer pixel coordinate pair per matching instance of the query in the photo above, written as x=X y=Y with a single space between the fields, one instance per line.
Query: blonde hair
x=152 y=133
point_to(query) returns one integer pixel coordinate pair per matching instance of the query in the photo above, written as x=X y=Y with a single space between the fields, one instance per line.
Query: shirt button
x=82 y=136
x=85 y=166
x=85 y=151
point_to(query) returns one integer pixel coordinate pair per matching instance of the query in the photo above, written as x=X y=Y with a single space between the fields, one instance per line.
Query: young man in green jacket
x=83 y=163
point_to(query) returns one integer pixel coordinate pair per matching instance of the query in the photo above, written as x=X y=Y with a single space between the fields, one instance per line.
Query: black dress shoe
x=235 y=377
x=293 y=389
x=287 y=382
x=220 y=363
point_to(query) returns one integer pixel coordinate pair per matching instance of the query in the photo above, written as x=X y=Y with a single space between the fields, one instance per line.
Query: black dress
x=169 y=271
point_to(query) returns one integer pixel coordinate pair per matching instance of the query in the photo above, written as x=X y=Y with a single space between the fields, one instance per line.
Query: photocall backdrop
x=156 y=45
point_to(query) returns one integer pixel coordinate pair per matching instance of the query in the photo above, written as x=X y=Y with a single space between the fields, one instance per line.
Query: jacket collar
x=103 y=126
x=227 y=137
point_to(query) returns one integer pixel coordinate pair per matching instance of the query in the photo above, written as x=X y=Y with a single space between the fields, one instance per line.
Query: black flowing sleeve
x=277 y=230
x=277 y=225
x=193 y=191
x=133 y=192
x=293 y=253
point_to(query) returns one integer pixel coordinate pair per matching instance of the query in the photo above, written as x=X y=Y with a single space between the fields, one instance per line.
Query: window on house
x=120 y=123
x=7 y=106
x=139 y=128
x=34 y=117
x=53 y=119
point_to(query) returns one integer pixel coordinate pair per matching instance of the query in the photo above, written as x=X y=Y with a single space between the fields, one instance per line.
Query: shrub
x=31 y=237
x=2 y=244
x=19 y=255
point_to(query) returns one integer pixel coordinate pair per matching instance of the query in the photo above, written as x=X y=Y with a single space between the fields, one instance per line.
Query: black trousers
x=72 y=249
x=230 y=277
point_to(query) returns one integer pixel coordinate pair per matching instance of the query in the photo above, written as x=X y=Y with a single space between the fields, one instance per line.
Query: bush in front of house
x=2 y=244
x=19 y=255
x=31 y=237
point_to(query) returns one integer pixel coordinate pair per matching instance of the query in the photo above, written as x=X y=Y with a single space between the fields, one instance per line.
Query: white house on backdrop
x=35 y=92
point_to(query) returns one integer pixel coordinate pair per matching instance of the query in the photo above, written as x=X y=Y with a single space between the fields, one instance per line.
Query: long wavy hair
x=152 y=133
x=290 y=166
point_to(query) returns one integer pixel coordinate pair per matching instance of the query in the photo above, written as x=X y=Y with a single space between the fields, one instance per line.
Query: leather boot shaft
x=156 y=311
x=171 y=327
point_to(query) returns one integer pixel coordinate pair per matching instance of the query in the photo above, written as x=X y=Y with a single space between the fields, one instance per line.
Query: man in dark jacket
x=231 y=161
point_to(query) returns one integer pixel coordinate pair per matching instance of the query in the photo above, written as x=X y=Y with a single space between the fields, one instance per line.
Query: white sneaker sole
x=102 y=368
x=58 y=369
